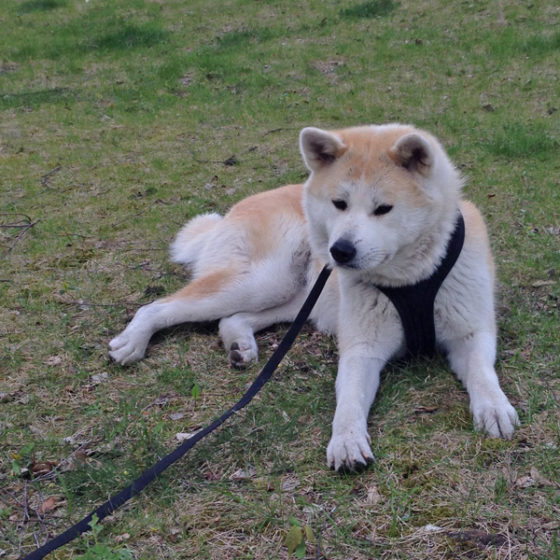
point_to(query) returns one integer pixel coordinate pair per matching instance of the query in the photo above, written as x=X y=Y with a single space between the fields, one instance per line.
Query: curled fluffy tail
x=190 y=240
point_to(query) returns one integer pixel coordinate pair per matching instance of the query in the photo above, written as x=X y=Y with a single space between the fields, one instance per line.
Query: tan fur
x=206 y=286
x=477 y=232
x=259 y=216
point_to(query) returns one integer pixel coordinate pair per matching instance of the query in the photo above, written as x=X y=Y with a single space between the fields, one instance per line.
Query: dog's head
x=378 y=198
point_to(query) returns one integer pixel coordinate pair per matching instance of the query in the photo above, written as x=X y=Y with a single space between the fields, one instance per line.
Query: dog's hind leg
x=254 y=258
x=209 y=297
x=205 y=299
x=237 y=331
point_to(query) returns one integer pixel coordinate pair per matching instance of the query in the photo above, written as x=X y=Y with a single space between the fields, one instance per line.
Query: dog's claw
x=241 y=355
x=355 y=468
x=496 y=417
x=350 y=453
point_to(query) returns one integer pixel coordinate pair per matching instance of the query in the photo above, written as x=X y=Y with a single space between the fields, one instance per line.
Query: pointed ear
x=319 y=148
x=413 y=152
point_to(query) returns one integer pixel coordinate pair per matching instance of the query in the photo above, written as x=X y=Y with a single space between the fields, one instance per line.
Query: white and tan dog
x=380 y=206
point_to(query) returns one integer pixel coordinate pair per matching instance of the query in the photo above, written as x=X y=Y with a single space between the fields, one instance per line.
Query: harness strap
x=149 y=475
x=415 y=303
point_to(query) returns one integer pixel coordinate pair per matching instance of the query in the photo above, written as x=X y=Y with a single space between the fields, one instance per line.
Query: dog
x=380 y=207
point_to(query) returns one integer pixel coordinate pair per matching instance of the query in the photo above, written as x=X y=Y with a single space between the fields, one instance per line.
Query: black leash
x=149 y=475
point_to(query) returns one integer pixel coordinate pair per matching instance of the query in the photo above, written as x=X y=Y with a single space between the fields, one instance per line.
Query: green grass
x=117 y=120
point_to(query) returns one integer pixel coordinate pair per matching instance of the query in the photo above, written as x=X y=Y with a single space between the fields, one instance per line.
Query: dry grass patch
x=120 y=122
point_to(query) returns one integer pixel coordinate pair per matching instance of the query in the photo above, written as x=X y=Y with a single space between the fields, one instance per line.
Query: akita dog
x=382 y=207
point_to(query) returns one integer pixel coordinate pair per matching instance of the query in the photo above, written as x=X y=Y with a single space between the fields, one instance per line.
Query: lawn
x=121 y=120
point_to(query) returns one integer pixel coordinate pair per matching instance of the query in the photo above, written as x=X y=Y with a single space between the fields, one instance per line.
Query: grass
x=119 y=121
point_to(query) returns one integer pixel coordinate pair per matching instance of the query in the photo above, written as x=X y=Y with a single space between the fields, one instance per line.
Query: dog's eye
x=340 y=204
x=382 y=209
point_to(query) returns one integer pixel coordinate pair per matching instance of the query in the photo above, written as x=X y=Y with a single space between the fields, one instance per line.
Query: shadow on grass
x=129 y=36
x=31 y=99
x=370 y=9
x=89 y=36
x=40 y=5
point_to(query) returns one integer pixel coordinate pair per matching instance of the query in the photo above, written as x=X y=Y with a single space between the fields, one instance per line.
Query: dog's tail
x=188 y=244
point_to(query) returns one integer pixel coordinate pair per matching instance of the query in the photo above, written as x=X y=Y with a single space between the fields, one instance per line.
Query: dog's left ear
x=319 y=148
x=413 y=152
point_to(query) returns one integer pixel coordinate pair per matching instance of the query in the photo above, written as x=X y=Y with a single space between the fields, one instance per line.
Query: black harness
x=415 y=303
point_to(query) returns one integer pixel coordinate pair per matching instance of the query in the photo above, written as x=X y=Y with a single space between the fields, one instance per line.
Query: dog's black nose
x=343 y=251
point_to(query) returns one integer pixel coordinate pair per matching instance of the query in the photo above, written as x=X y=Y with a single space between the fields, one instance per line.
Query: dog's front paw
x=127 y=348
x=349 y=452
x=495 y=416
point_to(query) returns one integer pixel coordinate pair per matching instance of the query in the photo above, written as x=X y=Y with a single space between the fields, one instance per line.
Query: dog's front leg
x=472 y=359
x=356 y=385
x=369 y=334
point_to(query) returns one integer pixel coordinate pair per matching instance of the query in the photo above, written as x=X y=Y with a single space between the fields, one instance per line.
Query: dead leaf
x=524 y=482
x=541 y=480
x=182 y=436
x=265 y=484
x=480 y=538
x=290 y=483
x=175 y=534
x=187 y=79
x=48 y=505
x=534 y=478
x=42 y=468
x=211 y=475
x=543 y=283
x=123 y=537
x=243 y=474
x=98 y=378
x=425 y=409
x=328 y=66
x=53 y=361
x=373 y=497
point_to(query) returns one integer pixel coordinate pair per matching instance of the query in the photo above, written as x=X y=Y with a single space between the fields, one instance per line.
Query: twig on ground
x=46 y=177
x=27 y=224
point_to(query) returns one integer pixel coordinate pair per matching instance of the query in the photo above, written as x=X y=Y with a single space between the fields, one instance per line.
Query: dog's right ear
x=319 y=148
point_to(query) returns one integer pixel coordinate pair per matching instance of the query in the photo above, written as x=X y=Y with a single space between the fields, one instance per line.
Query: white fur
x=191 y=239
x=254 y=267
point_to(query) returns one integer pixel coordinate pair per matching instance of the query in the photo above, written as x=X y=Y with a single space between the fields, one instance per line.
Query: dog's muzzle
x=343 y=251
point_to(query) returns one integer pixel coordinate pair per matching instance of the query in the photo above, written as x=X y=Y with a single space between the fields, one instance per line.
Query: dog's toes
x=357 y=467
x=235 y=357
x=498 y=419
x=349 y=454
x=125 y=349
x=241 y=355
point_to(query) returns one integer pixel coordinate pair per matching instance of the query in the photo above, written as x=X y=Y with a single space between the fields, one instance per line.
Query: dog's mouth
x=346 y=266
x=362 y=263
